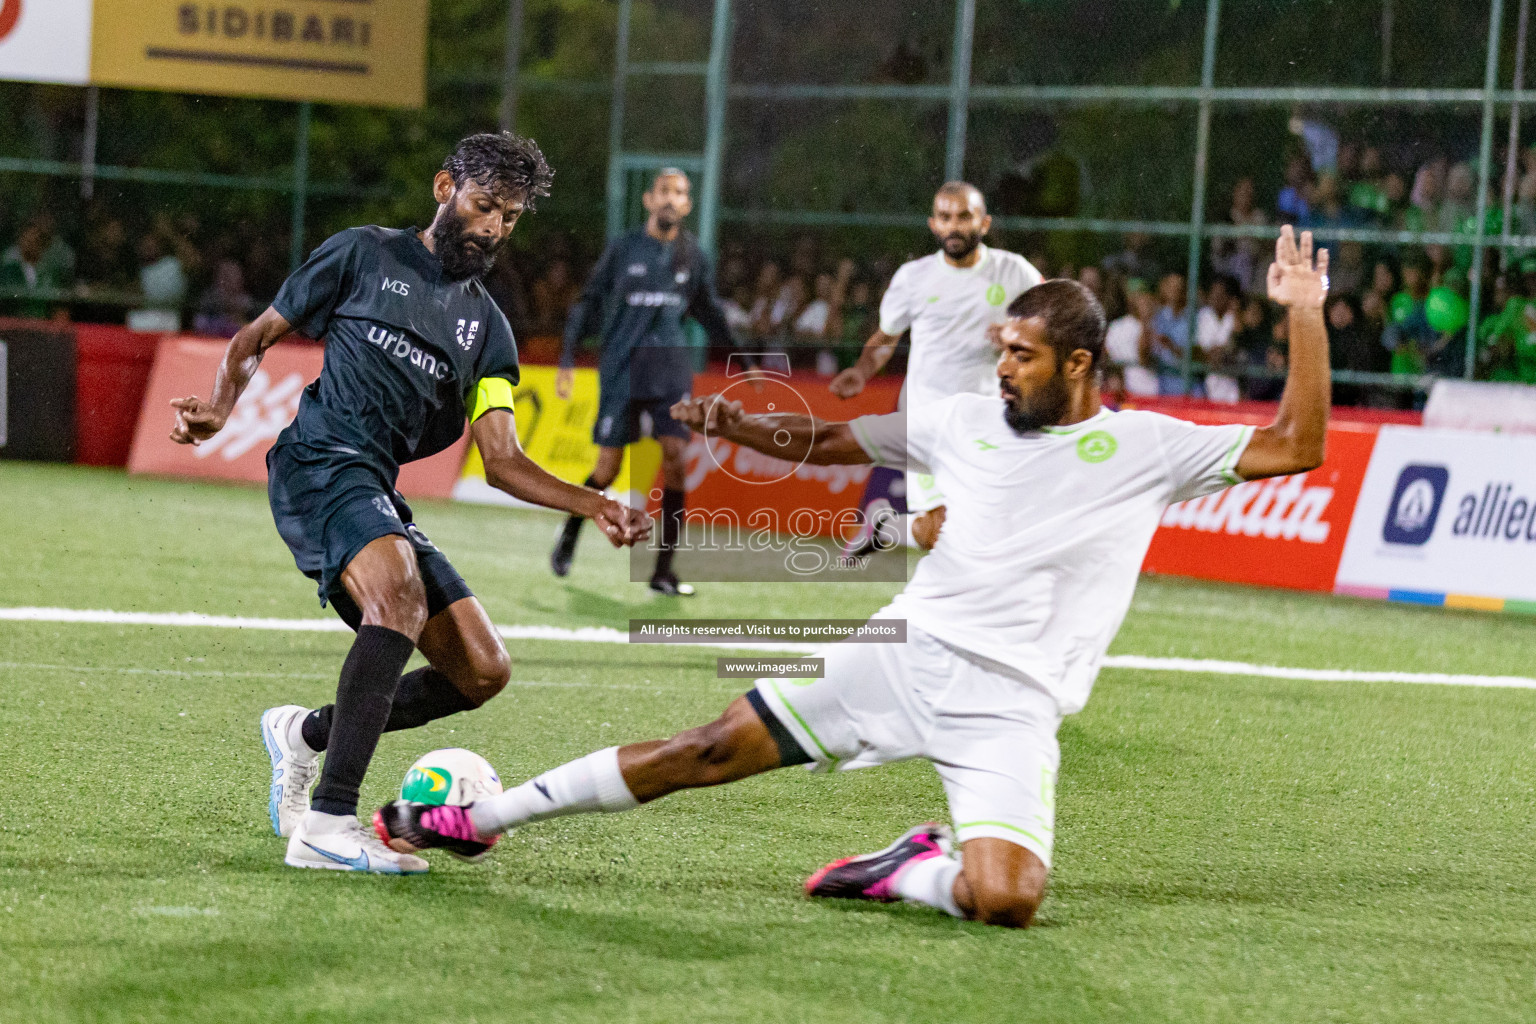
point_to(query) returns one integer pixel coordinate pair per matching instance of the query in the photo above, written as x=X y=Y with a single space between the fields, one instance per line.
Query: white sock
x=318 y=823
x=931 y=882
x=296 y=737
x=587 y=784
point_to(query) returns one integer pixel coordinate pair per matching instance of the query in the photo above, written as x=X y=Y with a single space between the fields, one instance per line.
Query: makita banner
x=1446 y=518
x=1284 y=532
x=186 y=366
x=781 y=496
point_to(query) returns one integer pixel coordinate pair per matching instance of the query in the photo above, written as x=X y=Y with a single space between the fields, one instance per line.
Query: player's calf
x=465 y=648
x=732 y=747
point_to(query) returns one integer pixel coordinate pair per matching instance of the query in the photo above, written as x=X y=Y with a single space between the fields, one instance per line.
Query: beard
x=462 y=255
x=959 y=246
x=1027 y=414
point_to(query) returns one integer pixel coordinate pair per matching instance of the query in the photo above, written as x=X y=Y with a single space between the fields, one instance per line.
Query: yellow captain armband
x=491 y=393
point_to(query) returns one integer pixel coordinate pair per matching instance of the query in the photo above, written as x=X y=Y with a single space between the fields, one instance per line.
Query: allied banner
x=369 y=52
x=1446 y=518
x=45 y=41
x=186 y=366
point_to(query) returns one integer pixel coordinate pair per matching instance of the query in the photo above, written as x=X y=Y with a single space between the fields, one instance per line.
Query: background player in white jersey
x=1053 y=501
x=949 y=300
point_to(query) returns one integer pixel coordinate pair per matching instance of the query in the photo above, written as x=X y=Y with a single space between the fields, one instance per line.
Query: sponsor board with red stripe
x=186 y=366
x=1283 y=532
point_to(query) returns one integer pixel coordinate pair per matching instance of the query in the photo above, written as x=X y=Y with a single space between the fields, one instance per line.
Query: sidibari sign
x=370 y=52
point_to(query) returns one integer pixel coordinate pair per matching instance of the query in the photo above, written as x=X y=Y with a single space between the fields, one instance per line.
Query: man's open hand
x=196 y=420
x=1294 y=278
x=622 y=525
x=708 y=414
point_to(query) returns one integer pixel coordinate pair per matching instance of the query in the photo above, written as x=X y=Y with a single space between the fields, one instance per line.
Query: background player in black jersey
x=636 y=298
x=413 y=347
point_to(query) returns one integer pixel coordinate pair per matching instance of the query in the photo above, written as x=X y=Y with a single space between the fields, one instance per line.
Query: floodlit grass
x=1228 y=849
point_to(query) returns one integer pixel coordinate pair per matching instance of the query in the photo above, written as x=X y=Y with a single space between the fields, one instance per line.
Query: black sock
x=671 y=529
x=425 y=695
x=369 y=678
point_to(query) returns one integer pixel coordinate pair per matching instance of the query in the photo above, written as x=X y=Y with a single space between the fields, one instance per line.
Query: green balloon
x=1446 y=310
x=1402 y=307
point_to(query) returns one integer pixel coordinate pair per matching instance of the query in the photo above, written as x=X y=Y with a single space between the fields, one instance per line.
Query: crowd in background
x=1392 y=308
x=167 y=275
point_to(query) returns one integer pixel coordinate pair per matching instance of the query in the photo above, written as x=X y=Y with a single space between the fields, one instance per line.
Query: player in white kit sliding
x=1053 y=501
x=949 y=300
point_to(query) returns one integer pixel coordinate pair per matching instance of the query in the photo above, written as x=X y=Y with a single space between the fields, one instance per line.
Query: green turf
x=1228 y=849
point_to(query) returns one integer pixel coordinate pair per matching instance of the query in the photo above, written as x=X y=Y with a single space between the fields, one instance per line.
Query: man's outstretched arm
x=783 y=435
x=877 y=352
x=508 y=468
x=197 y=420
x=1295 y=441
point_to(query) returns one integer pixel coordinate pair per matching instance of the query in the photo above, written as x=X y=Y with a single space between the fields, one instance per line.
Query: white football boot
x=336 y=843
x=294 y=767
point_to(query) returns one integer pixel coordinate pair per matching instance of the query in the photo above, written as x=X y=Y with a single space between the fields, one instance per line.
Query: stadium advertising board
x=45 y=41
x=360 y=51
x=1284 y=532
x=1446 y=518
x=557 y=434
x=807 y=500
x=186 y=366
x=371 y=52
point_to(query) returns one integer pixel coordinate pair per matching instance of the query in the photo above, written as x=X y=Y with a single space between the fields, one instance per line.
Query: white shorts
x=989 y=731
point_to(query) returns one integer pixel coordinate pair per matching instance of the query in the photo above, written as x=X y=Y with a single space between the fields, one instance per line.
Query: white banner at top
x=1443 y=514
x=46 y=41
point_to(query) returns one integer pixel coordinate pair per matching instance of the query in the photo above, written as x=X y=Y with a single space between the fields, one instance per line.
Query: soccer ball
x=452 y=776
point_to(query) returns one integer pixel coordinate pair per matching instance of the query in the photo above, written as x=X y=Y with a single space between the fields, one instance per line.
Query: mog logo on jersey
x=400 y=348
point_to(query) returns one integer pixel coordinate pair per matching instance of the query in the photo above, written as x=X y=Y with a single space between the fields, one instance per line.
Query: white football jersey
x=1045 y=533
x=949 y=309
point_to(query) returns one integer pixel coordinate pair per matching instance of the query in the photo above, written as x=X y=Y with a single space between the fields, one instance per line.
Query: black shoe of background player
x=667 y=583
x=876 y=534
x=565 y=552
x=407 y=827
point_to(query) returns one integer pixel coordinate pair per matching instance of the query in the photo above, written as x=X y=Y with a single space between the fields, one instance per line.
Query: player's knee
x=1007 y=904
x=400 y=606
x=492 y=671
x=674 y=468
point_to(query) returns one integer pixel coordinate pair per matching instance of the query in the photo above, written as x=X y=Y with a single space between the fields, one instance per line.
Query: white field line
x=133 y=670
x=608 y=635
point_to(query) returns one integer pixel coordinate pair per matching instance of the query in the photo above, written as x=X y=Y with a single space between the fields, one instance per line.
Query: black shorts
x=328 y=506
x=619 y=420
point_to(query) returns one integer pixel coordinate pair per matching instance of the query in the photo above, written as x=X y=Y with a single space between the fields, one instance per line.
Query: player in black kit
x=414 y=348
x=636 y=298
